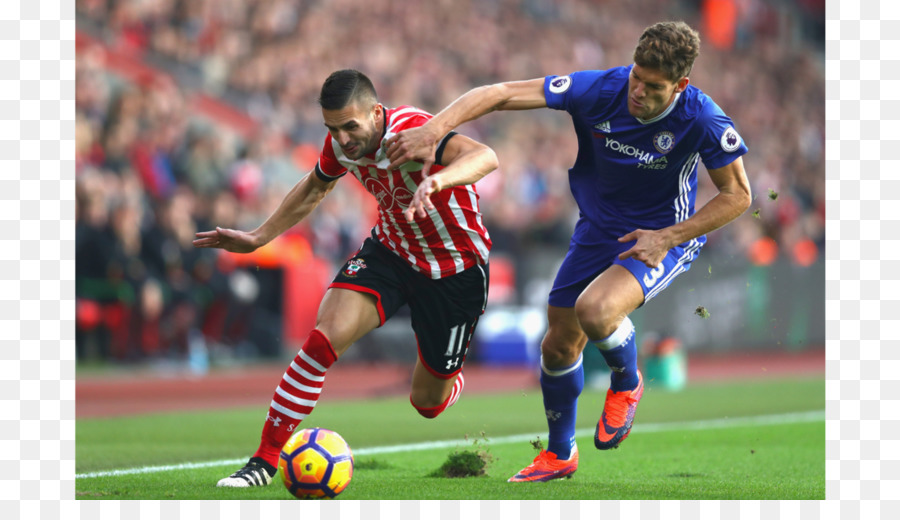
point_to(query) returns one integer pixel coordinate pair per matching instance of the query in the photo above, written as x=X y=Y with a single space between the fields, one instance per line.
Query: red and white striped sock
x=455 y=392
x=296 y=395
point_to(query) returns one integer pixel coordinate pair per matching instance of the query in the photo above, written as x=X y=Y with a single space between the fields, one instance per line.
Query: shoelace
x=617 y=409
x=544 y=456
x=548 y=456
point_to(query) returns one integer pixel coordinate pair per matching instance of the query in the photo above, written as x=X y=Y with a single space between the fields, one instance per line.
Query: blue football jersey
x=630 y=173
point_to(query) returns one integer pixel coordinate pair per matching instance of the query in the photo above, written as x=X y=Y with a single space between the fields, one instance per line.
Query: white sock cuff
x=562 y=371
x=626 y=329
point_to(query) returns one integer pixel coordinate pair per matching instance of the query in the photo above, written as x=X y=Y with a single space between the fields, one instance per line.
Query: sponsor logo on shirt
x=660 y=164
x=386 y=198
x=627 y=149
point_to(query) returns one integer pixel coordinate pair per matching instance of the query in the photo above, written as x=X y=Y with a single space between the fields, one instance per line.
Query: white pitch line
x=787 y=418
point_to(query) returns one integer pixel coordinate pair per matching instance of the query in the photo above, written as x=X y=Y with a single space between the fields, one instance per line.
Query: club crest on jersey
x=354 y=267
x=560 y=84
x=664 y=141
x=730 y=141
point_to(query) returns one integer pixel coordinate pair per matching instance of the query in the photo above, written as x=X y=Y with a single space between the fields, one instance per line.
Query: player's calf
x=296 y=395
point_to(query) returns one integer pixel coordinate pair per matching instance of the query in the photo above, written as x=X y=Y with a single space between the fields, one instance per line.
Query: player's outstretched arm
x=297 y=204
x=465 y=161
x=418 y=144
x=732 y=200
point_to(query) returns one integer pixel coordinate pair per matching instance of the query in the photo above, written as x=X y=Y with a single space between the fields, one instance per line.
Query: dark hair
x=344 y=87
x=669 y=47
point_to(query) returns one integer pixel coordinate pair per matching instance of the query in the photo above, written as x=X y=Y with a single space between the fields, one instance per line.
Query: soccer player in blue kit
x=641 y=130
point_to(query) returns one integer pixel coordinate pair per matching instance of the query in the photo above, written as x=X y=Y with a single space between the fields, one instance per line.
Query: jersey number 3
x=652 y=277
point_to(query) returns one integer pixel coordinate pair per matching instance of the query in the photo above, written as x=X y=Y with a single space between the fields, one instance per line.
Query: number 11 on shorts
x=455 y=346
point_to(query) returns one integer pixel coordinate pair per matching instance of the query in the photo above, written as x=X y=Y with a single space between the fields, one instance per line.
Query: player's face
x=357 y=129
x=650 y=92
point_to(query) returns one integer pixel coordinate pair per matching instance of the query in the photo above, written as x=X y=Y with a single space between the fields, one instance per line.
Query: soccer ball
x=316 y=463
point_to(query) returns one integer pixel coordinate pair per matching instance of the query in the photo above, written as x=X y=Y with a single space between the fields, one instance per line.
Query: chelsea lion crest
x=664 y=141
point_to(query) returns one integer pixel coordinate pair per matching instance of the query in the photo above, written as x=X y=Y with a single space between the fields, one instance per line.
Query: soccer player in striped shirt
x=436 y=263
x=641 y=130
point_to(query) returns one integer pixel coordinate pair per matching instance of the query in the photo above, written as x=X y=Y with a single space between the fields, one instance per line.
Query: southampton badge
x=664 y=141
x=354 y=267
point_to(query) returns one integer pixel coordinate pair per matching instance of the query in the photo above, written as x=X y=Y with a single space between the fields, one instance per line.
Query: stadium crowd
x=150 y=172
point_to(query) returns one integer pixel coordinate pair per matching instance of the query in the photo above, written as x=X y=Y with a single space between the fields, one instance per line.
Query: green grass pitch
x=754 y=440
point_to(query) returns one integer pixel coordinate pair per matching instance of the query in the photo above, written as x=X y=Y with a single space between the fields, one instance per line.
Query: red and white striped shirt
x=450 y=239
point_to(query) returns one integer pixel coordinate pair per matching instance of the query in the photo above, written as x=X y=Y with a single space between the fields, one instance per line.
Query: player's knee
x=432 y=399
x=596 y=317
x=562 y=344
x=429 y=413
x=558 y=351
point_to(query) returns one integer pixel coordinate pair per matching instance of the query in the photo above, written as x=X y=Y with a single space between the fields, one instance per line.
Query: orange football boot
x=547 y=466
x=618 y=414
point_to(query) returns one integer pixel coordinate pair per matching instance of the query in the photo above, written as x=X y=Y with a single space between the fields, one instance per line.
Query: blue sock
x=620 y=352
x=561 y=389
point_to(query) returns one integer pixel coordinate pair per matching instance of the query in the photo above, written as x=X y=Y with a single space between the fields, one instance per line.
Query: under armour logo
x=275 y=420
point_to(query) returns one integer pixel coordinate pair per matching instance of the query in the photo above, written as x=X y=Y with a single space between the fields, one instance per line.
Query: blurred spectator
x=150 y=171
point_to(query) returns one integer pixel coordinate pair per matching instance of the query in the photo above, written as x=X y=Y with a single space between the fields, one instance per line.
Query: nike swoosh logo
x=539 y=474
x=608 y=432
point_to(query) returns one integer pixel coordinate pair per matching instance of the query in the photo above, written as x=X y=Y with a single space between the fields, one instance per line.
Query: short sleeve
x=328 y=168
x=572 y=91
x=721 y=144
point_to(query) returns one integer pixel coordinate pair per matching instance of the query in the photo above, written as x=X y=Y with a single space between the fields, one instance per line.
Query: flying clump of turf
x=466 y=462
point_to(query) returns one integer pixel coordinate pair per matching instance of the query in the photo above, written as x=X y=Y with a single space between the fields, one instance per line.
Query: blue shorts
x=583 y=263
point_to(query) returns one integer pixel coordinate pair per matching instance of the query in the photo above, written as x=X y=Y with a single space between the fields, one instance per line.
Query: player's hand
x=421 y=200
x=650 y=247
x=414 y=144
x=228 y=239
